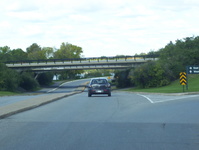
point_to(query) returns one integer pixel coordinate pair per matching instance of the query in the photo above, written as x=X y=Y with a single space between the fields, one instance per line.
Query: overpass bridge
x=80 y=63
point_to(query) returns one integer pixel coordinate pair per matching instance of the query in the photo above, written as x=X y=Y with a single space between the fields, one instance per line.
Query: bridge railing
x=88 y=59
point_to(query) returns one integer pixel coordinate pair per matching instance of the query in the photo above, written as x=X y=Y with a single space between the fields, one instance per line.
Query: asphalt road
x=124 y=121
x=55 y=88
x=64 y=87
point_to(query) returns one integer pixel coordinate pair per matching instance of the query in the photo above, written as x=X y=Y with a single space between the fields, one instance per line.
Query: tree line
x=173 y=59
x=10 y=80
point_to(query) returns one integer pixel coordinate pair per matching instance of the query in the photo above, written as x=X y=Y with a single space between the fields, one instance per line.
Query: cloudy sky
x=100 y=27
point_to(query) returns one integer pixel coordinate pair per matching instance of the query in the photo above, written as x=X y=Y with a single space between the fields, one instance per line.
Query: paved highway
x=56 y=88
x=125 y=121
x=64 y=87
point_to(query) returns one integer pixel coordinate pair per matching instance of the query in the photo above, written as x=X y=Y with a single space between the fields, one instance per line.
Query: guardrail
x=89 y=59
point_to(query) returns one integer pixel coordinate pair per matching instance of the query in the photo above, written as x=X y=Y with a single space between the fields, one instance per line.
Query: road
x=124 y=121
x=55 y=88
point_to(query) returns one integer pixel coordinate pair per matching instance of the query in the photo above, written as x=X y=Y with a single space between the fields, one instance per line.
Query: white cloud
x=100 y=27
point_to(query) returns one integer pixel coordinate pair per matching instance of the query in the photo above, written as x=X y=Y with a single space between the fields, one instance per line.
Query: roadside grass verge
x=6 y=93
x=174 y=87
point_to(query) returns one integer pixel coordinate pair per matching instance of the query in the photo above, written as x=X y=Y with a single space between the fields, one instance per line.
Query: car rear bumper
x=99 y=91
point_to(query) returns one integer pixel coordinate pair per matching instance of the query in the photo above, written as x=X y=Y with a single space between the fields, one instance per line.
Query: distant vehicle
x=99 y=86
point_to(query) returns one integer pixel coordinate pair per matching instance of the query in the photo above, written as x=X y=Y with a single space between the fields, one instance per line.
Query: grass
x=174 y=87
x=6 y=93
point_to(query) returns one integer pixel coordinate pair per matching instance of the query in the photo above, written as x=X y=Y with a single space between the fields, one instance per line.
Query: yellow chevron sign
x=183 y=78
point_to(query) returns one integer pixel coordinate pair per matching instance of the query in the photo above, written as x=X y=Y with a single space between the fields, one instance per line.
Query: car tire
x=89 y=95
x=109 y=94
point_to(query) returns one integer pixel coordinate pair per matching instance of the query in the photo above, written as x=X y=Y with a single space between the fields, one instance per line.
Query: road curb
x=21 y=106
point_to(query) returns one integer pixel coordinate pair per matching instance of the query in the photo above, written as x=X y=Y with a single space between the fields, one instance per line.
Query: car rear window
x=99 y=81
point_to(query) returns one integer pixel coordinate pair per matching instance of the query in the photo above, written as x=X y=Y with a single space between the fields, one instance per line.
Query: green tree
x=35 y=52
x=5 y=54
x=9 y=79
x=181 y=54
x=47 y=52
x=18 y=54
x=68 y=51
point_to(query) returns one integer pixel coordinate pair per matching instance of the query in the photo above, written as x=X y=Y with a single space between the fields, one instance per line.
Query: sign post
x=183 y=79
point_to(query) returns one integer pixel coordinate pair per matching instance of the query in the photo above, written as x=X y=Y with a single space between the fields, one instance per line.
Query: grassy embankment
x=174 y=87
x=6 y=93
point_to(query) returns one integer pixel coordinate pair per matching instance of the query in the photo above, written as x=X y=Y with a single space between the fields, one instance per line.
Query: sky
x=99 y=27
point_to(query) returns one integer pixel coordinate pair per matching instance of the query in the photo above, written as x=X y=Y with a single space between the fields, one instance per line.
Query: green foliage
x=122 y=79
x=68 y=51
x=47 y=52
x=18 y=54
x=69 y=74
x=35 y=52
x=4 y=54
x=93 y=74
x=173 y=59
x=45 y=78
x=9 y=79
x=98 y=73
x=174 y=87
x=181 y=54
x=151 y=74
x=28 y=82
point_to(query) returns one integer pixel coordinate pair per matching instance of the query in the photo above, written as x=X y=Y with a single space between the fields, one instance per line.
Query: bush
x=9 y=79
x=122 y=79
x=28 y=82
x=151 y=74
x=45 y=78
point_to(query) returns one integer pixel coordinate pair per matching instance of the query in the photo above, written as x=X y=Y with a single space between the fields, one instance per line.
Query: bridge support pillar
x=36 y=75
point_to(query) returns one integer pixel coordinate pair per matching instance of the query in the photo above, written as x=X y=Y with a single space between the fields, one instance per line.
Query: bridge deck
x=50 y=65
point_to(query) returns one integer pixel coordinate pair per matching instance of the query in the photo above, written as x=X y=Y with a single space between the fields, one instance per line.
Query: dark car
x=99 y=86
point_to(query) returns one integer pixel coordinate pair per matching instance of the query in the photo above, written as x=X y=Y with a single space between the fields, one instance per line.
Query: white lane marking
x=146 y=98
x=51 y=90
x=59 y=86
x=63 y=84
x=166 y=98
x=179 y=98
